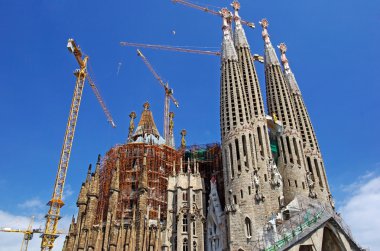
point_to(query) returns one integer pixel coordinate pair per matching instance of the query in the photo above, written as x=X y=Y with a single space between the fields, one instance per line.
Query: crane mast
x=168 y=97
x=55 y=204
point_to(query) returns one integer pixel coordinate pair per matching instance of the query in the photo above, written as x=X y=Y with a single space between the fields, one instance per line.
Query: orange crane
x=168 y=96
x=50 y=233
x=205 y=9
x=28 y=233
x=181 y=49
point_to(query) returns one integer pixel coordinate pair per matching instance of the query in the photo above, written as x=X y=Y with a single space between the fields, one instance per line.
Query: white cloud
x=12 y=241
x=361 y=210
x=67 y=192
x=32 y=204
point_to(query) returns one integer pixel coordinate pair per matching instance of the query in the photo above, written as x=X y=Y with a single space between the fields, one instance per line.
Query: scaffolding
x=161 y=162
x=209 y=159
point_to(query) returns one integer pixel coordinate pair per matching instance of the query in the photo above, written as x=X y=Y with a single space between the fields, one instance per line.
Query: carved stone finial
x=171 y=123
x=183 y=140
x=284 y=60
x=226 y=13
x=264 y=23
x=146 y=106
x=132 y=115
x=236 y=5
x=282 y=48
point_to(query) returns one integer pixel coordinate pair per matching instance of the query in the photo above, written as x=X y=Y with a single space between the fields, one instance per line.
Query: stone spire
x=250 y=79
x=142 y=205
x=314 y=161
x=232 y=102
x=245 y=144
x=146 y=124
x=228 y=50
x=280 y=104
x=183 y=139
x=270 y=54
x=171 y=128
x=131 y=128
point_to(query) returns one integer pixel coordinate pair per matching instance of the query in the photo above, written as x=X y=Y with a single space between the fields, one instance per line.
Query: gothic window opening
x=260 y=141
x=194 y=246
x=241 y=194
x=249 y=190
x=297 y=153
x=194 y=228
x=283 y=149
x=231 y=161
x=184 y=223
x=318 y=173
x=185 y=245
x=289 y=150
x=248 y=227
x=184 y=196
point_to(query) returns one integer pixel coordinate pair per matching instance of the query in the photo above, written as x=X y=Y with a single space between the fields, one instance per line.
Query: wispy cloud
x=12 y=241
x=361 y=209
x=31 y=204
x=67 y=192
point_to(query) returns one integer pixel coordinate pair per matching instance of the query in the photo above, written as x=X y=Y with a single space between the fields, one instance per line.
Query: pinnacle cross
x=284 y=60
x=264 y=23
x=236 y=5
x=146 y=106
x=227 y=16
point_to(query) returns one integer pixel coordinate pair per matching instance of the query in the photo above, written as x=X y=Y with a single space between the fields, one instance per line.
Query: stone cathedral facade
x=270 y=191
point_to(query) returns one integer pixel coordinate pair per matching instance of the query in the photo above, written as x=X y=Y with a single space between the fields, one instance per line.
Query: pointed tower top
x=228 y=50
x=132 y=115
x=292 y=82
x=183 y=140
x=89 y=173
x=146 y=124
x=270 y=54
x=146 y=106
x=284 y=60
x=240 y=38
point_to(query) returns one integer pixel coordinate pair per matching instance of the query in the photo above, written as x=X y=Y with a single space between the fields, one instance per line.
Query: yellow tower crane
x=168 y=95
x=50 y=233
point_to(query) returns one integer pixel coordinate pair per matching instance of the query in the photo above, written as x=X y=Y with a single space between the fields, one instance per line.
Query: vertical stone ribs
x=250 y=80
x=314 y=162
x=292 y=165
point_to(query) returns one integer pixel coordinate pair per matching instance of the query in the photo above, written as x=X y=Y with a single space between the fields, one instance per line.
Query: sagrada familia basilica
x=264 y=187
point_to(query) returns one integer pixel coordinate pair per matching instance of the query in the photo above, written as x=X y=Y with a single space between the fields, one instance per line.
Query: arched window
x=194 y=228
x=185 y=245
x=194 y=246
x=184 y=196
x=184 y=223
x=248 y=228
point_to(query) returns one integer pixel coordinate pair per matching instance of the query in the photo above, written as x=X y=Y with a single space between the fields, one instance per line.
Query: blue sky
x=332 y=49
